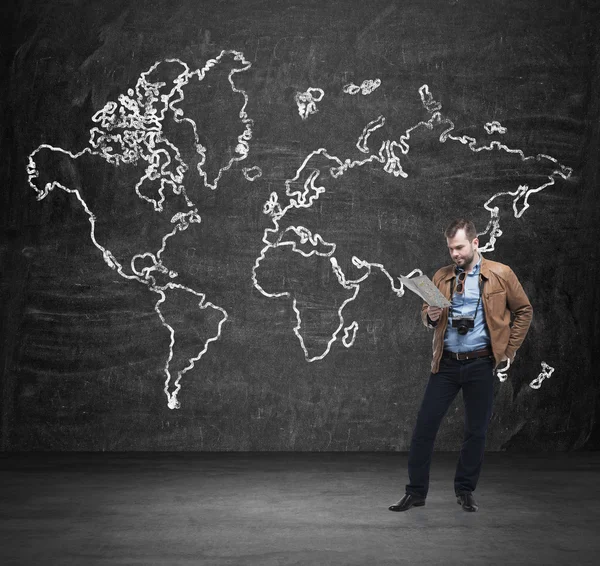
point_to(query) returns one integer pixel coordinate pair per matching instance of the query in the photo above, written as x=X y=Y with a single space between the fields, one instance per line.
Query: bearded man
x=471 y=338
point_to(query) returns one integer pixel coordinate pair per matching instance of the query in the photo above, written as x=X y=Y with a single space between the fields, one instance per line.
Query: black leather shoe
x=467 y=501
x=407 y=502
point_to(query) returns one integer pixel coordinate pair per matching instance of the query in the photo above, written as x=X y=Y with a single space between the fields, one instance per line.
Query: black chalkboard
x=208 y=206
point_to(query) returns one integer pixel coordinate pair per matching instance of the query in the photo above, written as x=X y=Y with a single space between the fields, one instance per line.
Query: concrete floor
x=294 y=508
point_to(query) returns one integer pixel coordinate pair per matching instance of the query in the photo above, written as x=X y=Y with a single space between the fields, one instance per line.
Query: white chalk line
x=367 y=87
x=172 y=391
x=494 y=127
x=350 y=335
x=252 y=173
x=372 y=126
x=242 y=147
x=523 y=191
x=307 y=101
x=546 y=373
x=142 y=125
x=502 y=372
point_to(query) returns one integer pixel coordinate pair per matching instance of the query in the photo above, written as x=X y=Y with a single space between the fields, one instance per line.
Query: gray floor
x=275 y=509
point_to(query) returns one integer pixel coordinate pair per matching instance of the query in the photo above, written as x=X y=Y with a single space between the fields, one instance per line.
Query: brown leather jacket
x=502 y=295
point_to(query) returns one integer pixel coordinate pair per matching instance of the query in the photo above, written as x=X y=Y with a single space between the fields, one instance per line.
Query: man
x=471 y=338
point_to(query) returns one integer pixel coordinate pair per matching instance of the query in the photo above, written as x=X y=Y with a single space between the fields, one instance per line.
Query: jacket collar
x=484 y=270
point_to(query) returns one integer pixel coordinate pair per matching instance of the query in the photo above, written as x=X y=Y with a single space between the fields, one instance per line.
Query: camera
x=464 y=324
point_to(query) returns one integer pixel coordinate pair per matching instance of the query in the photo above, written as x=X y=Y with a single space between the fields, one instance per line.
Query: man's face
x=461 y=250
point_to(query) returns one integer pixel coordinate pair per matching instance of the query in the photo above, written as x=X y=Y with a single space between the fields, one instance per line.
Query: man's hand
x=434 y=313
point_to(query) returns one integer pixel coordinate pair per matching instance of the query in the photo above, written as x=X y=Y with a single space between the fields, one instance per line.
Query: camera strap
x=465 y=292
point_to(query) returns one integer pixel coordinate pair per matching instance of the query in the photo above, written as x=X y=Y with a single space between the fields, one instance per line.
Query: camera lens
x=462 y=330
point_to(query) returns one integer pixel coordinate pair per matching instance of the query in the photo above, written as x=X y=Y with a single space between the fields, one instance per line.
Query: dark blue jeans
x=476 y=379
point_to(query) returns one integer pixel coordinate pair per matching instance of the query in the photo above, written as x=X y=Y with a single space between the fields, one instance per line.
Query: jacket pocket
x=495 y=312
x=496 y=292
x=497 y=301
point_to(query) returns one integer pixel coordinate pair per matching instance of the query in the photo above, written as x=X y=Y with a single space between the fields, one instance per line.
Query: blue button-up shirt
x=478 y=337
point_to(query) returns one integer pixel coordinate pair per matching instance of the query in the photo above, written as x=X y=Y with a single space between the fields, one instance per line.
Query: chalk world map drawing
x=155 y=137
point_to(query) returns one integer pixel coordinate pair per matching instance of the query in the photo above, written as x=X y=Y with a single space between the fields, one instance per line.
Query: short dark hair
x=461 y=224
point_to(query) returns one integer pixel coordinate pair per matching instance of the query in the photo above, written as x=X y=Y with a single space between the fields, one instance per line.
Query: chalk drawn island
x=179 y=129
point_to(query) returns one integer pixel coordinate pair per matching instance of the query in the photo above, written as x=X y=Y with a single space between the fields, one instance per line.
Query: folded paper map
x=424 y=287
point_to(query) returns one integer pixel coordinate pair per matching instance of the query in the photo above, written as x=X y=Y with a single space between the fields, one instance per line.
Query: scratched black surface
x=83 y=350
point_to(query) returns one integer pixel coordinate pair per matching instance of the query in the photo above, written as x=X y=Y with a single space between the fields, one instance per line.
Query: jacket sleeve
x=519 y=305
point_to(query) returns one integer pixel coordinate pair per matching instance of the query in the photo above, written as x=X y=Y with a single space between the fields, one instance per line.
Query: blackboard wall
x=244 y=330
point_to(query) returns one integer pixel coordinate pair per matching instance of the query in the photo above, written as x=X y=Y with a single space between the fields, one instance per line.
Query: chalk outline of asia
x=298 y=238
x=135 y=124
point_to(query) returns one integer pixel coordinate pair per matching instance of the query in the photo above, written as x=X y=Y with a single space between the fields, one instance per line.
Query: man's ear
x=475 y=242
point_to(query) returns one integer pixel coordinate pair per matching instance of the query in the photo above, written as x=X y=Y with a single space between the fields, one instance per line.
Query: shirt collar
x=483 y=267
x=475 y=269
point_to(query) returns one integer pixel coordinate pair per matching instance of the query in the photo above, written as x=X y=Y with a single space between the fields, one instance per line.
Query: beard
x=466 y=260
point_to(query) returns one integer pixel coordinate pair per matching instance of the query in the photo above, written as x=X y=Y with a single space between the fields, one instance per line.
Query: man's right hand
x=433 y=313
